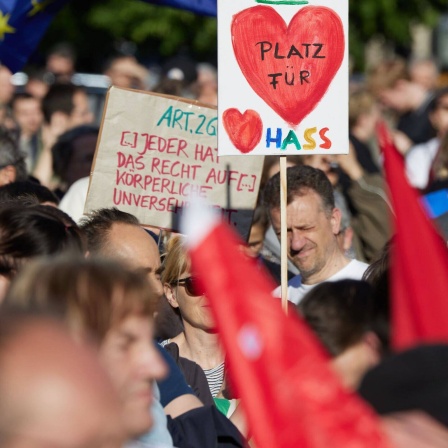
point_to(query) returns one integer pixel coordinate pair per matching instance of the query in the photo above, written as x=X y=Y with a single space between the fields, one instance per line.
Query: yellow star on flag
x=38 y=6
x=4 y=27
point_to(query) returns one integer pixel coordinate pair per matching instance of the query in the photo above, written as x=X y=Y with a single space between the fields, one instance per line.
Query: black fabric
x=416 y=124
x=204 y=427
x=416 y=379
x=193 y=373
x=364 y=155
x=174 y=385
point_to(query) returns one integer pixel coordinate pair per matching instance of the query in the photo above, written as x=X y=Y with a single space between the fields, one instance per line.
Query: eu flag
x=203 y=7
x=22 y=25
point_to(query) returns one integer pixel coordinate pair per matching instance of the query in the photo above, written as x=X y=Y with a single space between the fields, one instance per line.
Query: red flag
x=289 y=393
x=419 y=261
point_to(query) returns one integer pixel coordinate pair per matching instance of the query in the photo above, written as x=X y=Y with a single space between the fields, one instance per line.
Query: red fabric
x=419 y=261
x=291 y=397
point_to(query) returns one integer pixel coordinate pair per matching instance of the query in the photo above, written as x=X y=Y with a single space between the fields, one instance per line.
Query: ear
x=373 y=345
x=170 y=295
x=7 y=175
x=335 y=220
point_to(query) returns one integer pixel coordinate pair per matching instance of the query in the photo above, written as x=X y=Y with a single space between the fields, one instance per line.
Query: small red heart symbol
x=244 y=130
x=289 y=67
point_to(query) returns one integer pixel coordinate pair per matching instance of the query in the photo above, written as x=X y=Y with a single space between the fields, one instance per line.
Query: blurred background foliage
x=100 y=27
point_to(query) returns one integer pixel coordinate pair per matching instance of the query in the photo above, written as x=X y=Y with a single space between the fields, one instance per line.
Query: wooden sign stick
x=283 y=235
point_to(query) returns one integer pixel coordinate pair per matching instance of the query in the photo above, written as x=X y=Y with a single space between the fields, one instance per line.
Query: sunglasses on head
x=191 y=286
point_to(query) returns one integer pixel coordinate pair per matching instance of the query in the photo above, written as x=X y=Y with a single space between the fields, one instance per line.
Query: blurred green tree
x=389 y=19
x=98 y=26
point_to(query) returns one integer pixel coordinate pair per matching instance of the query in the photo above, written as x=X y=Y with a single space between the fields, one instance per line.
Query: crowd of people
x=106 y=337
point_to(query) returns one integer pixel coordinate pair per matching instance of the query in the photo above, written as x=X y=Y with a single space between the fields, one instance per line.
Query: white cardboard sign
x=156 y=153
x=283 y=77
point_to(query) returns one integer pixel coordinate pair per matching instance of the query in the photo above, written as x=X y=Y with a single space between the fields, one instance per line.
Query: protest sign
x=283 y=77
x=156 y=153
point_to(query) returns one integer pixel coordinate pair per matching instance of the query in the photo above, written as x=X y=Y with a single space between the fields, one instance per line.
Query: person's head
x=438 y=111
x=341 y=315
x=313 y=222
x=27 y=232
x=118 y=235
x=27 y=113
x=424 y=72
x=183 y=69
x=12 y=160
x=28 y=189
x=409 y=390
x=61 y=62
x=73 y=153
x=53 y=391
x=66 y=106
x=182 y=290
x=38 y=82
x=125 y=71
x=110 y=306
x=260 y=224
x=364 y=113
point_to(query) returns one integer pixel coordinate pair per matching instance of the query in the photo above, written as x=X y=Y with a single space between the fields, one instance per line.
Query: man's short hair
x=98 y=225
x=339 y=313
x=300 y=180
x=59 y=98
x=27 y=189
x=63 y=148
x=10 y=154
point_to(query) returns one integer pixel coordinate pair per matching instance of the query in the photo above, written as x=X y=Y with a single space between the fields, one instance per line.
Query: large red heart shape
x=289 y=67
x=244 y=130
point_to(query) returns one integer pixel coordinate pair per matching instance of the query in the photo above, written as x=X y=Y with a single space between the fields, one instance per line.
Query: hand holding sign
x=289 y=67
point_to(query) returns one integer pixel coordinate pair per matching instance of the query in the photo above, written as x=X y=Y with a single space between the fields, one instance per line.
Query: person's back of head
x=341 y=314
x=301 y=179
x=31 y=231
x=12 y=160
x=66 y=106
x=27 y=189
x=73 y=153
x=59 y=98
x=338 y=312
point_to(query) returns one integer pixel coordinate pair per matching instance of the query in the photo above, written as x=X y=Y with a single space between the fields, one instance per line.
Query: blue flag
x=203 y=7
x=22 y=25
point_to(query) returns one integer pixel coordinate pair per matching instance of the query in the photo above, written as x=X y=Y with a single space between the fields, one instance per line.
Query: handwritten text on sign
x=157 y=155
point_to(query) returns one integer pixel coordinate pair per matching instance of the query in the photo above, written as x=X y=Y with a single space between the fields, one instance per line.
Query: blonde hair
x=90 y=295
x=360 y=102
x=175 y=260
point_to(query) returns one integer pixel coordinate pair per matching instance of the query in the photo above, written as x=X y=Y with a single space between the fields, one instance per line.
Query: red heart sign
x=289 y=67
x=244 y=130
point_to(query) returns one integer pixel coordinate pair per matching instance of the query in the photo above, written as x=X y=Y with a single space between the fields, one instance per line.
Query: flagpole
x=283 y=235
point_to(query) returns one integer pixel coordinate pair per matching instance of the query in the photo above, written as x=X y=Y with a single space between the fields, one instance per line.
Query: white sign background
x=235 y=92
